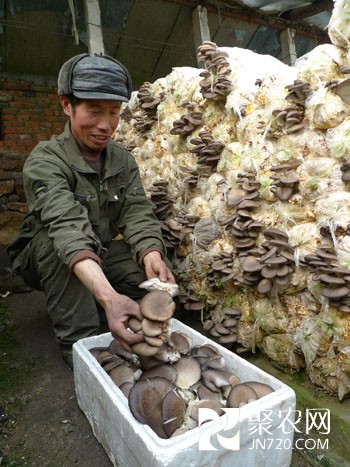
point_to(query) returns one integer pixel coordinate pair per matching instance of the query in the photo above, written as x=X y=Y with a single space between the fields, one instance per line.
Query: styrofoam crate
x=128 y=443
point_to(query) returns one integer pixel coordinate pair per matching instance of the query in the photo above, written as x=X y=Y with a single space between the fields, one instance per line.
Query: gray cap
x=94 y=77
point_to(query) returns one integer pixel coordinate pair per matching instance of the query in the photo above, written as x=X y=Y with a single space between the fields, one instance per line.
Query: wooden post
x=93 y=27
x=289 y=54
x=201 y=30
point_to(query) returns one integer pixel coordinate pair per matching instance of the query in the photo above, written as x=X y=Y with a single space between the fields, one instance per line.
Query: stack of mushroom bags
x=166 y=378
x=256 y=156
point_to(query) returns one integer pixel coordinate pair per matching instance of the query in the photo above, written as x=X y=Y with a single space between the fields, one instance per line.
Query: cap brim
x=99 y=95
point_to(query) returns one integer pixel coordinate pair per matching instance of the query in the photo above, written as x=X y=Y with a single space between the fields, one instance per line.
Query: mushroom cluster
x=191 y=302
x=244 y=197
x=207 y=149
x=171 y=232
x=159 y=197
x=219 y=269
x=334 y=280
x=145 y=119
x=187 y=123
x=188 y=222
x=215 y=83
x=148 y=102
x=191 y=176
x=289 y=120
x=157 y=307
x=167 y=396
x=285 y=182
x=222 y=325
x=269 y=267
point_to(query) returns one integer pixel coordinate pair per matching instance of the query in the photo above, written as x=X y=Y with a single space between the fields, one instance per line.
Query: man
x=83 y=190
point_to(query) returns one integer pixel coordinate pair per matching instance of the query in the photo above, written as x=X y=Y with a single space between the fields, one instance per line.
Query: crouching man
x=84 y=189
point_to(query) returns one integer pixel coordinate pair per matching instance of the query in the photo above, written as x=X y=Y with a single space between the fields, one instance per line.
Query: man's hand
x=156 y=267
x=118 y=308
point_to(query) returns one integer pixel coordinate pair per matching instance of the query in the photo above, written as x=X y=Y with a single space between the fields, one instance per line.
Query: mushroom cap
x=188 y=372
x=96 y=351
x=173 y=412
x=240 y=394
x=142 y=348
x=134 y=324
x=126 y=388
x=180 y=342
x=215 y=379
x=212 y=404
x=261 y=389
x=146 y=402
x=163 y=370
x=205 y=393
x=151 y=328
x=154 y=341
x=122 y=374
x=116 y=348
x=157 y=305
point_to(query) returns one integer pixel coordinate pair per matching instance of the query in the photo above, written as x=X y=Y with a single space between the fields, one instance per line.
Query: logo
x=224 y=424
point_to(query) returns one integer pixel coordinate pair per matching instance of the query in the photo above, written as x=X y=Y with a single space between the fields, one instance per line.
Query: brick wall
x=29 y=112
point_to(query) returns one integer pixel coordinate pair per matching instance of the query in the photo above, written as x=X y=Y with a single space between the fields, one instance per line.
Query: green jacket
x=80 y=209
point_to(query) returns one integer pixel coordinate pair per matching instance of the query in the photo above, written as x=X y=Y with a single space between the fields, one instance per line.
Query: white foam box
x=264 y=439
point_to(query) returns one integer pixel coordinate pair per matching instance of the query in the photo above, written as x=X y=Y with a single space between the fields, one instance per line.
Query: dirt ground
x=41 y=424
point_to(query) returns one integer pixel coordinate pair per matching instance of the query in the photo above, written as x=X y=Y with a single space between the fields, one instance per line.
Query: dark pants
x=72 y=308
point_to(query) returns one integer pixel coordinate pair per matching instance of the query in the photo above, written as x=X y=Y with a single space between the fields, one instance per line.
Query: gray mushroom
x=157 y=305
x=261 y=389
x=240 y=395
x=173 y=412
x=212 y=404
x=146 y=403
x=162 y=370
x=216 y=379
x=122 y=374
x=188 y=372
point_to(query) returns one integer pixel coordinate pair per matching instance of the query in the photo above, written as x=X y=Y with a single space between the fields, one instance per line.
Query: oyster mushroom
x=207 y=149
x=157 y=305
x=261 y=389
x=122 y=374
x=180 y=342
x=240 y=395
x=163 y=370
x=173 y=412
x=212 y=404
x=215 y=83
x=151 y=328
x=208 y=356
x=144 y=349
x=159 y=197
x=215 y=379
x=146 y=403
x=205 y=393
x=188 y=372
x=187 y=124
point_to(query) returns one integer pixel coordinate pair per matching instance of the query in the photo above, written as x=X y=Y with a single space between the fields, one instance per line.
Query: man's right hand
x=118 y=308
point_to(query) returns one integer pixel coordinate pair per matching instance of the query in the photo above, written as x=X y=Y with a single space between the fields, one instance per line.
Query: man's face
x=92 y=122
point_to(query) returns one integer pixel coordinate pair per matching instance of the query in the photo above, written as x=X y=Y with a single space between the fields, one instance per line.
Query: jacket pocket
x=85 y=200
